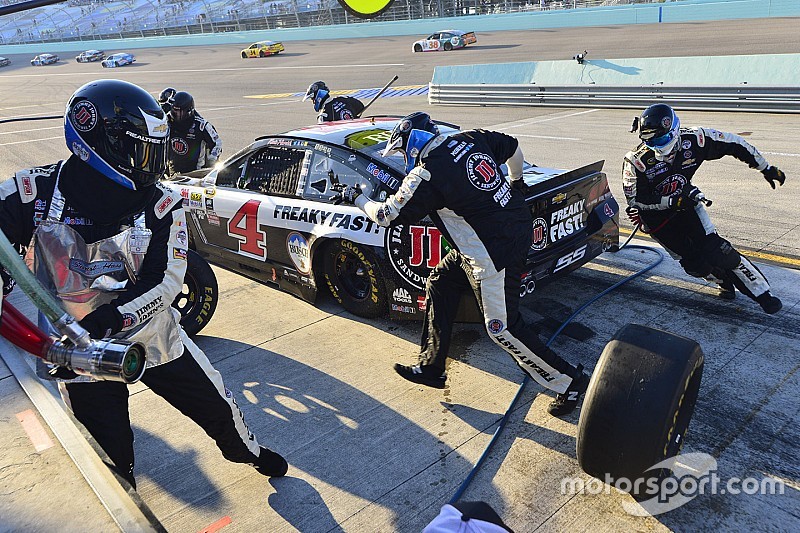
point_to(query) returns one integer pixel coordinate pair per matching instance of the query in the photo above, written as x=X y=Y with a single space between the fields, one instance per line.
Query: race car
x=445 y=40
x=118 y=60
x=44 y=59
x=89 y=56
x=268 y=213
x=4 y=61
x=262 y=49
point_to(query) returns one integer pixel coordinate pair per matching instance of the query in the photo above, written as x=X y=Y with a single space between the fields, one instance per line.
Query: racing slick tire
x=448 y=46
x=638 y=406
x=352 y=275
x=244 y=56
x=198 y=299
x=418 y=48
x=262 y=54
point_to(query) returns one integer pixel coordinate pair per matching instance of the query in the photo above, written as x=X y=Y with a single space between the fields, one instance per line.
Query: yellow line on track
x=782 y=260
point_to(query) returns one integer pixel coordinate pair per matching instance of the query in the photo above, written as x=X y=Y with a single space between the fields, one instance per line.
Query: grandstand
x=87 y=20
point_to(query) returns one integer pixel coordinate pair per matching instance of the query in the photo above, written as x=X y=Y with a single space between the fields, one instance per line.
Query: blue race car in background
x=118 y=60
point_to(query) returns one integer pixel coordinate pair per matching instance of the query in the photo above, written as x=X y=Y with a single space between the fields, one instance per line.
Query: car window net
x=273 y=170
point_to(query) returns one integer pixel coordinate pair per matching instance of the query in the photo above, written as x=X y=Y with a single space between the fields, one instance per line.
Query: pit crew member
x=330 y=109
x=193 y=141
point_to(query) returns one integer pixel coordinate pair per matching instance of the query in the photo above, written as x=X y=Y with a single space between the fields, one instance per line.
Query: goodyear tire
x=262 y=54
x=244 y=56
x=638 y=405
x=198 y=300
x=352 y=275
x=418 y=48
x=448 y=47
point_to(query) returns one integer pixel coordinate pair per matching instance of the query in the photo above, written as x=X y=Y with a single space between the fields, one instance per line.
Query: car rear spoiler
x=559 y=180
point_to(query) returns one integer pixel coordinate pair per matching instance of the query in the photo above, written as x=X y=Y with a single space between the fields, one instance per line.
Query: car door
x=253 y=50
x=432 y=43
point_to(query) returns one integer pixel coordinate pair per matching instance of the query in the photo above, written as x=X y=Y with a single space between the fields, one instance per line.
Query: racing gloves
x=773 y=174
x=102 y=322
x=348 y=195
x=8 y=282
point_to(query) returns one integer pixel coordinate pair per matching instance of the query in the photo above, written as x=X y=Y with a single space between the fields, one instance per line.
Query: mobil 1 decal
x=415 y=250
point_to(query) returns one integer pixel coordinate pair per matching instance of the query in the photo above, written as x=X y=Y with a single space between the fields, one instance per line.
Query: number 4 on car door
x=244 y=226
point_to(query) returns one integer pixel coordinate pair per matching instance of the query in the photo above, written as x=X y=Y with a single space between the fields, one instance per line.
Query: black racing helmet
x=659 y=129
x=318 y=92
x=119 y=129
x=164 y=97
x=181 y=107
x=410 y=135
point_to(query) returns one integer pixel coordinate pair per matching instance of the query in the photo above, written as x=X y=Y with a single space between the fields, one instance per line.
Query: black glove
x=8 y=281
x=633 y=215
x=773 y=174
x=519 y=185
x=348 y=195
x=689 y=197
x=102 y=322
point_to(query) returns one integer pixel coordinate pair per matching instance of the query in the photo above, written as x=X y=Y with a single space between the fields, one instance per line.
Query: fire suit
x=340 y=108
x=49 y=207
x=192 y=145
x=687 y=232
x=459 y=183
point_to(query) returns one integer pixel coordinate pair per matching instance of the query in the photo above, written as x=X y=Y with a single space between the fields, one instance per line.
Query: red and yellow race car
x=262 y=49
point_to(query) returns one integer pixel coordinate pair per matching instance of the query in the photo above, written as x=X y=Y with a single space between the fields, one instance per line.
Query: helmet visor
x=144 y=161
x=662 y=140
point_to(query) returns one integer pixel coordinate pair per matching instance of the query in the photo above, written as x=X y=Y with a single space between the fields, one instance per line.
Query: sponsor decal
x=687 y=154
x=482 y=172
x=95 y=268
x=459 y=151
x=401 y=295
x=150 y=309
x=638 y=164
x=78 y=221
x=608 y=211
x=228 y=393
x=666 y=122
x=672 y=185
x=322 y=217
x=686 y=144
x=197 y=196
x=182 y=238
x=179 y=145
x=566 y=221
x=213 y=219
x=362 y=139
x=503 y=195
x=299 y=252
x=404 y=309
x=128 y=320
x=539 y=234
x=184 y=192
x=40 y=205
x=414 y=251
x=165 y=203
x=84 y=116
x=688 y=162
x=211 y=191
x=79 y=150
x=509 y=346
x=560 y=197
x=422 y=303
x=37 y=218
x=196 y=204
x=210 y=204
x=384 y=177
x=179 y=253
x=27 y=187
x=495 y=326
x=570 y=258
x=452 y=143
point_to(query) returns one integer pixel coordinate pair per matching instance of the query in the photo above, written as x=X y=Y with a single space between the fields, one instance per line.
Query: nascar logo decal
x=366 y=9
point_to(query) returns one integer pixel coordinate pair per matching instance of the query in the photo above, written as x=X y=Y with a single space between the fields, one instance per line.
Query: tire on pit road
x=352 y=275
x=638 y=405
x=198 y=299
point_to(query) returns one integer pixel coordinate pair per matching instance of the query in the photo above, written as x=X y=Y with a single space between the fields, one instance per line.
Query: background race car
x=89 y=56
x=4 y=61
x=262 y=49
x=268 y=214
x=118 y=60
x=445 y=40
x=44 y=59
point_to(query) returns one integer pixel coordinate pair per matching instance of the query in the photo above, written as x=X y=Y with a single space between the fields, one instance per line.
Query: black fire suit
x=687 y=232
x=193 y=144
x=340 y=108
x=458 y=181
x=188 y=381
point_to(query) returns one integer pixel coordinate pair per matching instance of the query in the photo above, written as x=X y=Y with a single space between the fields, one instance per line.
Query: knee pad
x=697 y=267
x=720 y=253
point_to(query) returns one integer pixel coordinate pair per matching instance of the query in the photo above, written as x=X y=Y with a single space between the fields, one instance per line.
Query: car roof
x=265 y=42
x=457 y=32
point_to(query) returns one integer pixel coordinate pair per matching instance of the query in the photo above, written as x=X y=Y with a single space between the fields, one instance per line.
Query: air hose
x=527 y=378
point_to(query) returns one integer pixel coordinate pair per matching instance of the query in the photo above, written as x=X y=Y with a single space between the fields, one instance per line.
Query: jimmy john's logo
x=482 y=172
x=179 y=145
x=671 y=186
x=566 y=221
x=414 y=251
x=366 y=9
x=539 y=234
x=84 y=116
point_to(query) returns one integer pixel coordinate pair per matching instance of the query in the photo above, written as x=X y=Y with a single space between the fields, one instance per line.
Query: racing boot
x=565 y=403
x=727 y=291
x=271 y=464
x=424 y=375
x=769 y=303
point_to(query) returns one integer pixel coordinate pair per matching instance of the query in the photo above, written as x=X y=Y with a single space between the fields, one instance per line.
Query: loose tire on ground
x=198 y=299
x=639 y=403
x=352 y=275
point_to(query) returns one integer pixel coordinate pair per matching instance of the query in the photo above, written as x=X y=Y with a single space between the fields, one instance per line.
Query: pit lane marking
x=547 y=137
x=502 y=126
x=34 y=129
x=32 y=140
x=776 y=259
x=136 y=71
x=781 y=153
x=36 y=432
x=403 y=90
